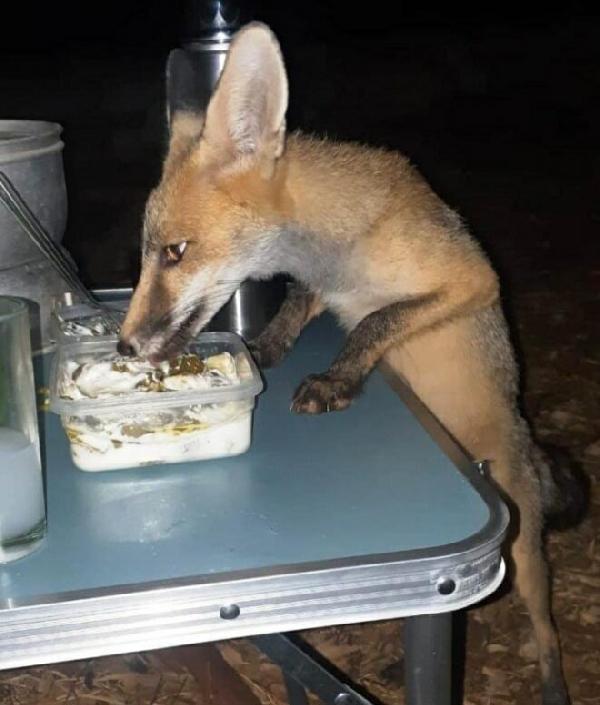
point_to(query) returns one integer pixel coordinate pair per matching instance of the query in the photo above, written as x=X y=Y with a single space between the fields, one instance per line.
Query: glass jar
x=22 y=507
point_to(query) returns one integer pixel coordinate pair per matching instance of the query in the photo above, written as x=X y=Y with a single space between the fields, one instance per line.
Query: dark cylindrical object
x=207 y=20
x=251 y=308
x=194 y=69
x=192 y=74
x=428 y=659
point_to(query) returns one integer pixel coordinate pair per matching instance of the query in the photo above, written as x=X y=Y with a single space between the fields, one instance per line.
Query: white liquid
x=21 y=489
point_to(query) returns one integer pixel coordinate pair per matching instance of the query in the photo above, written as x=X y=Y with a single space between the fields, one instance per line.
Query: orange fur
x=367 y=238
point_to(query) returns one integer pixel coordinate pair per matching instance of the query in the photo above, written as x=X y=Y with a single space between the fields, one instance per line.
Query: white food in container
x=122 y=413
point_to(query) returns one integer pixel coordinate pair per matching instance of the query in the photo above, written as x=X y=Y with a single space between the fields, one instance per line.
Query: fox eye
x=172 y=254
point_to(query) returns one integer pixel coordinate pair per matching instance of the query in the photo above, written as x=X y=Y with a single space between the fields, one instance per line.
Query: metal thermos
x=192 y=73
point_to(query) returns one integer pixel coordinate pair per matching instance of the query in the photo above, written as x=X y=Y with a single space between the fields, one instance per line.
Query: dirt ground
x=502 y=121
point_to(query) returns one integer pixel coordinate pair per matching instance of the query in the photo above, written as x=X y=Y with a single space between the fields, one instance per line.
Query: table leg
x=428 y=659
x=299 y=665
x=295 y=691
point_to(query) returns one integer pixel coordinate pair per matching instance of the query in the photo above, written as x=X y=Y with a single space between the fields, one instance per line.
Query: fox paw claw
x=267 y=353
x=322 y=393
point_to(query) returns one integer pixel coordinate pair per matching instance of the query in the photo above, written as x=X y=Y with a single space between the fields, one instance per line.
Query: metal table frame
x=427 y=666
x=265 y=603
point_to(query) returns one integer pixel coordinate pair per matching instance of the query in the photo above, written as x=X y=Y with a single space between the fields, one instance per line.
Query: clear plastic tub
x=136 y=428
x=74 y=320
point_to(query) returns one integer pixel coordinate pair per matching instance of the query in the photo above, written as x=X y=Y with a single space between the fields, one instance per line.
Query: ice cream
x=127 y=412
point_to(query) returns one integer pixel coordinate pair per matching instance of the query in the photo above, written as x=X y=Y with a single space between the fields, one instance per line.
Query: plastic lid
x=205 y=344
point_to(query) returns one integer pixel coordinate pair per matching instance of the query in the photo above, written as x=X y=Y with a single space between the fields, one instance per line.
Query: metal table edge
x=172 y=615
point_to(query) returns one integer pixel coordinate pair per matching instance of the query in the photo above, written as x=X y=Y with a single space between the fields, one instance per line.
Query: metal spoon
x=58 y=257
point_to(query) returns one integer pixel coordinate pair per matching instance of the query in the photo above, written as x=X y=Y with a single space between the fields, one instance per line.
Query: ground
x=502 y=120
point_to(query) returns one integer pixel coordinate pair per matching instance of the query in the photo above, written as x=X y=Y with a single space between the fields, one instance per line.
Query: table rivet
x=483 y=467
x=229 y=612
x=446 y=586
x=343 y=699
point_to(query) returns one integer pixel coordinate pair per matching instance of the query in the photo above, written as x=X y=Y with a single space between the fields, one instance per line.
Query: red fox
x=364 y=236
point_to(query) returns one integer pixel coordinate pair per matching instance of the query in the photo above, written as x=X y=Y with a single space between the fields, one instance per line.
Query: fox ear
x=245 y=119
x=185 y=129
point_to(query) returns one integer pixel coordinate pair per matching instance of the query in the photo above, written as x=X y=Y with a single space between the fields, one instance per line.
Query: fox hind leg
x=466 y=375
x=532 y=580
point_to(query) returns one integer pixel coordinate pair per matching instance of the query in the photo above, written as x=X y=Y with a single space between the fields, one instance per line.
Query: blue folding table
x=335 y=519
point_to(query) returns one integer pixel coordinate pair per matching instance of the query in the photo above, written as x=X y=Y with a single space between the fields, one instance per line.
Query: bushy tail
x=564 y=487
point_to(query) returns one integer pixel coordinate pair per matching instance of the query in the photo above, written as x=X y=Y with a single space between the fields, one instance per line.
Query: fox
x=361 y=234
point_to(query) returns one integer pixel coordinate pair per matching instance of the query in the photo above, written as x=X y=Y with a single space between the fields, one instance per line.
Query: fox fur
x=364 y=236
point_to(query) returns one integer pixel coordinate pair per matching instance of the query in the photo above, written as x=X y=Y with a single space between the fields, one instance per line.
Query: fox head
x=221 y=194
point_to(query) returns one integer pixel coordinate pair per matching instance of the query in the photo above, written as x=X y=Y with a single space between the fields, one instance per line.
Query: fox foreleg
x=367 y=342
x=298 y=309
x=374 y=335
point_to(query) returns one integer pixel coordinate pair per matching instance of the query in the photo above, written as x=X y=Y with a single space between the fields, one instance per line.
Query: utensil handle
x=14 y=201
x=59 y=258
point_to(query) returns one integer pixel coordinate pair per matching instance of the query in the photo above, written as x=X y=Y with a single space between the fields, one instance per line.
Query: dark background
x=498 y=110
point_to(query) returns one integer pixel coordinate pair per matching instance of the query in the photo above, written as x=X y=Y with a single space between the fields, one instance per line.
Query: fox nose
x=125 y=348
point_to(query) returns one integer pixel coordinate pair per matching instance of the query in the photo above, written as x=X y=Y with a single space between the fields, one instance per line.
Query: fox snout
x=161 y=338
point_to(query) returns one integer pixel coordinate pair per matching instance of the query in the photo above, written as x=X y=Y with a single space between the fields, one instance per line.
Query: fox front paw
x=268 y=353
x=323 y=393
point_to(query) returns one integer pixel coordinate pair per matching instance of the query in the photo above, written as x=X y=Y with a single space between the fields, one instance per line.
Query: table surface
x=311 y=489
x=322 y=518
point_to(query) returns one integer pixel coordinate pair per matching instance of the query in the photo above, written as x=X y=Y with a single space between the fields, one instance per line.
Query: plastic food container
x=77 y=321
x=135 y=428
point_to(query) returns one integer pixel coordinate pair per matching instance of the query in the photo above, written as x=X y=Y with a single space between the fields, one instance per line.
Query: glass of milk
x=22 y=508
